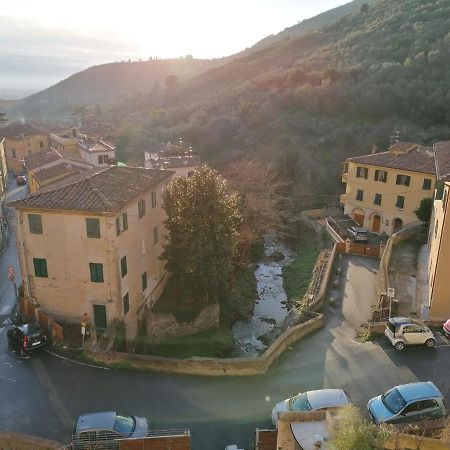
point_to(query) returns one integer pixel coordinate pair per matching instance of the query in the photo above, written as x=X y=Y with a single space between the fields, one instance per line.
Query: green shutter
x=123 y=266
x=35 y=223
x=144 y=281
x=125 y=221
x=40 y=267
x=126 y=303
x=93 y=228
x=96 y=270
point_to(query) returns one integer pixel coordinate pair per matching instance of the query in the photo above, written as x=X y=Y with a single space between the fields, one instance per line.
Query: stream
x=270 y=306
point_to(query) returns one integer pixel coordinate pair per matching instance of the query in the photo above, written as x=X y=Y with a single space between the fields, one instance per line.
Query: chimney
x=74 y=132
x=374 y=148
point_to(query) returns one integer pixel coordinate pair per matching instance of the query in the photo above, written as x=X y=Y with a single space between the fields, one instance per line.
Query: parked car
x=408 y=403
x=358 y=234
x=102 y=429
x=21 y=179
x=403 y=331
x=27 y=337
x=311 y=401
x=446 y=328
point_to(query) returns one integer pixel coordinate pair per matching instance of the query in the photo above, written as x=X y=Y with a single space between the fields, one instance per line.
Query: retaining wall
x=211 y=366
x=15 y=441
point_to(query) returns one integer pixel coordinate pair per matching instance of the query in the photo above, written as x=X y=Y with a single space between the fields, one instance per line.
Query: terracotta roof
x=403 y=156
x=62 y=168
x=16 y=129
x=101 y=189
x=46 y=156
x=442 y=151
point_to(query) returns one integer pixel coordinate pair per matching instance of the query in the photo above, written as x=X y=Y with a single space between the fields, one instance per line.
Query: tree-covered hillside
x=308 y=103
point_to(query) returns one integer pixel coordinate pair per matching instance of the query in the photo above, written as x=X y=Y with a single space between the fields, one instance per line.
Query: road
x=45 y=394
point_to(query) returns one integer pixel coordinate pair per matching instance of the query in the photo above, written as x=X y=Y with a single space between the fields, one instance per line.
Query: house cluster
x=90 y=234
x=383 y=190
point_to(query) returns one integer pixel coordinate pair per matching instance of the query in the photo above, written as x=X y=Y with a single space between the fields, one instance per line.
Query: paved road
x=45 y=394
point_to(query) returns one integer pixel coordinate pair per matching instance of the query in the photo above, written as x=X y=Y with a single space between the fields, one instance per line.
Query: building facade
x=97 y=152
x=3 y=168
x=384 y=189
x=92 y=245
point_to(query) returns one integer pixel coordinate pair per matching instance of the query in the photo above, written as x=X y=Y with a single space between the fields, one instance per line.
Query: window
x=144 y=281
x=380 y=175
x=436 y=227
x=41 y=144
x=40 y=267
x=153 y=199
x=362 y=172
x=359 y=195
x=400 y=201
x=141 y=209
x=35 y=223
x=155 y=235
x=96 y=272
x=13 y=153
x=126 y=303
x=377 y=199
x=403 y=180
x=411 y=408
x=428 y=404
x=439 y=190
x=103 y=159
x=121 y=223
x=92 y=228
x=426 y=184
x=123 y=266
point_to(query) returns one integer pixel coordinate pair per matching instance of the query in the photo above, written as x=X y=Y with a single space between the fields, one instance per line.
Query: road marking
x=413 y=348
x=77 y=362
x=53 y=396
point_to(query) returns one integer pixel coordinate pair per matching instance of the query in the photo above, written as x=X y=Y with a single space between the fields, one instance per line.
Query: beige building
x=66 y=141
x=174 y=157
x=3 y=168
x=96 y=151
x=384 y=189
x=20 y=141
x=91 y=244
x=437 y=306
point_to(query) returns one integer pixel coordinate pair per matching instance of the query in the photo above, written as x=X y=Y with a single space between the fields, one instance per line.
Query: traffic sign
x=11 y=273
x=391 y=292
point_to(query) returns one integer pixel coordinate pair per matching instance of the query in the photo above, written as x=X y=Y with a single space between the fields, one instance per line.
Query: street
x=45 y=394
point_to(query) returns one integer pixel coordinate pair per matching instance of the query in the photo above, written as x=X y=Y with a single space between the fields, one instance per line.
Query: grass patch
x=215 y=343
x=297 y=275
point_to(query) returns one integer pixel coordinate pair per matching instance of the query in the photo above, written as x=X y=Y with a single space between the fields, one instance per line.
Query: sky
x=44 y=41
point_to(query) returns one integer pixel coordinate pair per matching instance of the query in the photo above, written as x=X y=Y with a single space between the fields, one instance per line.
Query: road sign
x=391 y=292
x=11 y=273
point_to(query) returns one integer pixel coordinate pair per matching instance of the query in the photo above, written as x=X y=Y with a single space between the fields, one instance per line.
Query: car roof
x=96 y=421
x=30 y=328
x=400 y=320
x=416 y=391
x=327 y=398
x=359 y=229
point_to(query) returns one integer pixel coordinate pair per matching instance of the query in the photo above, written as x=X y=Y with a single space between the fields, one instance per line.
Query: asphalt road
x=45 y=394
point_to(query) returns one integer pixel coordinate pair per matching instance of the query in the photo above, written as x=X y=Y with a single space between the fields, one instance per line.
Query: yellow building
x=384 y=189
x=437 y=306
x=3 y=168
x=20 y=141
x=92 y=245
x=66 y=140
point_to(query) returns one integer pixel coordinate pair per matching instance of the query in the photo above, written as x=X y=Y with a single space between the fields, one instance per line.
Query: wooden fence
x=358 y=249
x=266 y=440
x=157 y=443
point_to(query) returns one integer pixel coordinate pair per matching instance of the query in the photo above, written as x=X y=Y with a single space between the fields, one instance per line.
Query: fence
x=34 y=313
x=266 y=439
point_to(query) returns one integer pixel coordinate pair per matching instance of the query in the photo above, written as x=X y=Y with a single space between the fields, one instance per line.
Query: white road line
x=7 y=379
x=413 y=348
x=77 y=362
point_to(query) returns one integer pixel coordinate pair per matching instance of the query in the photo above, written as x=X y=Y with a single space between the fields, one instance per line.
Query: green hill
x=306 y=104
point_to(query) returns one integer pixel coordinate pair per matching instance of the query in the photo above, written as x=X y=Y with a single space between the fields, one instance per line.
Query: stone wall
x=161 y=326
x=15 y=441
x=211 y=366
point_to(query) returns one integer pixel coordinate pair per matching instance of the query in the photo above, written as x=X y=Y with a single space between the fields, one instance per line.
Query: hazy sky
x=43 y=41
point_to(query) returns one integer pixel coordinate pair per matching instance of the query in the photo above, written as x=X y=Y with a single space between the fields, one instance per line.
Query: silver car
x=102 y=429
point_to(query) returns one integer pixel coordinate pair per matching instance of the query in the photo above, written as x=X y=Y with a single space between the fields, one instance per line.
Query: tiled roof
x=62 y=168
x=46 y=156
x=103 y=190
x=403 y=156
x=442 y=151
x=16 y=129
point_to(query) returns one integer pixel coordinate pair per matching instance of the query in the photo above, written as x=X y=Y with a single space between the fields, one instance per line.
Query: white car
x=311 y=401
x=403 y=331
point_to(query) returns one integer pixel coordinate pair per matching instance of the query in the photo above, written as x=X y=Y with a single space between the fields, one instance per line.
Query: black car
x=27 y=337
x=358 y=234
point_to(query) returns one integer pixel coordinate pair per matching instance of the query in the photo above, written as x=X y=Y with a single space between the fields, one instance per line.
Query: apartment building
x=384 y=189
x=3 y=168
x=20 y=140
x=66 y=140
x=91 y=244
x=96 y=151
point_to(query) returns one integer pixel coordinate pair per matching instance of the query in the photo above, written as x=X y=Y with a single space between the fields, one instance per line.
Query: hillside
x=306 y=104
x=107 y=83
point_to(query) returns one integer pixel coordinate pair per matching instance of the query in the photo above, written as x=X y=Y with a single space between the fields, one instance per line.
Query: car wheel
x=430 y=343
x=400 y=345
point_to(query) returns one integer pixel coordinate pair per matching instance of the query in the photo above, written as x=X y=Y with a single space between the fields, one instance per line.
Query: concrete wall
x=401 y=441
x=212 y=366
x=390 y=190
x=21 y=147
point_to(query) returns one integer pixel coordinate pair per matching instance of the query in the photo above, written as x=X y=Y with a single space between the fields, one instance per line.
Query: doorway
x=359 y=219
x=397 y=225
x=100 y=321
x=376 y=223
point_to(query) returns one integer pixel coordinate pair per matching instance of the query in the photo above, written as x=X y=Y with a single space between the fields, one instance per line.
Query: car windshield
x=124 y=424
x=299 y=403
x=393 y=401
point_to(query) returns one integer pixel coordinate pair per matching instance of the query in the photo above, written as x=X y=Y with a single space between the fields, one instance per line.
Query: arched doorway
x=397 y=225
x=376 y=223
